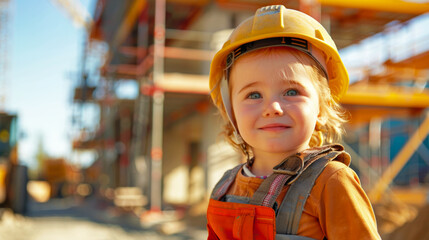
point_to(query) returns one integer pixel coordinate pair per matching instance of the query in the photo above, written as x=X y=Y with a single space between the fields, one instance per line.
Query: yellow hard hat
x=277 y=26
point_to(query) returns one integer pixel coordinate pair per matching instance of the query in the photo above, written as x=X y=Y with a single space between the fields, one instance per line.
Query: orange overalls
x=257 y=220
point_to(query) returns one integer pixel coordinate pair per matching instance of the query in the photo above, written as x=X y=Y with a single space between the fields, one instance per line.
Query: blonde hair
x=329 y=129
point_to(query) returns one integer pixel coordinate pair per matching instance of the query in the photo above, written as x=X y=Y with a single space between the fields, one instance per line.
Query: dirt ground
x=397 y=220
x=92 y=219
x=96 y=220
x=415 y=229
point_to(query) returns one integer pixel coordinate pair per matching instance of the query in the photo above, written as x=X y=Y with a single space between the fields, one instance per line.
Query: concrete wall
x=195 y=157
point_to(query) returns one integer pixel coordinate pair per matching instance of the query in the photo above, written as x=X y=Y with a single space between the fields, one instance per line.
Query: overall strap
x=290 y=210
x=225 y=182
x=287 y=172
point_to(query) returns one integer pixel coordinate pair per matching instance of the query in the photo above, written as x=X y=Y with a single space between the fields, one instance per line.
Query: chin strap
x=224 y=92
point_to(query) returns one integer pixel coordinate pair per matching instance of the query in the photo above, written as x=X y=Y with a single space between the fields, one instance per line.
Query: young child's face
x=274 y=101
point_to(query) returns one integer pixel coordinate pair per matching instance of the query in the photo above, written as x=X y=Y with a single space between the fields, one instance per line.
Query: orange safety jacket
x=257 y=220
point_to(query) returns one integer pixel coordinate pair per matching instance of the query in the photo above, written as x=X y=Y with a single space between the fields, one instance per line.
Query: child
x=277 y=82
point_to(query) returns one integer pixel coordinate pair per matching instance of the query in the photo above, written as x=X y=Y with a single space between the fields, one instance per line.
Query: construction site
x=158 y=153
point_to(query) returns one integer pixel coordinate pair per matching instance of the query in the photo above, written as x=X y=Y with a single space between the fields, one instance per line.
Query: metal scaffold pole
x=158 y=107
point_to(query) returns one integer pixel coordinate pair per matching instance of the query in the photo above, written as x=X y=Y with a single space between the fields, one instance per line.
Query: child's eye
x=291 y=92
x=254 y=95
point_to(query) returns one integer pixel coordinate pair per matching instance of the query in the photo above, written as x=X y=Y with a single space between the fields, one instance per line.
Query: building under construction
x=164 y=138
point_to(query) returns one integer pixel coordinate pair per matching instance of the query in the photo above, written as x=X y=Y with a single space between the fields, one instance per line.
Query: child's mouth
x=274 y=127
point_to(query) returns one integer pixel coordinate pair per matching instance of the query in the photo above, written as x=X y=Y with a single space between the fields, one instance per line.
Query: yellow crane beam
x=386 y=96
x=398 y=6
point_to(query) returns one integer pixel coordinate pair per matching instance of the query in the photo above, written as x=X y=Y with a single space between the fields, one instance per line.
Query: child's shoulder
x=337 y=173
x=333 y=167
x=335 y=179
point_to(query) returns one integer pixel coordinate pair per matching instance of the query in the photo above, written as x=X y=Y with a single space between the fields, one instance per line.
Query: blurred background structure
x=156 y=146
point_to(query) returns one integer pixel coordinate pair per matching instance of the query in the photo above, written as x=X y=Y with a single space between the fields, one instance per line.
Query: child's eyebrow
x=247 y=86
x=293 y=82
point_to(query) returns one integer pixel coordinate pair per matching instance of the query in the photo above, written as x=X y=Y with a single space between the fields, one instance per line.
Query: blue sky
x=45 y=49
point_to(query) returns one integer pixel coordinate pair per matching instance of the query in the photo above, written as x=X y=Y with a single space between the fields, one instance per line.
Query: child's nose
x=273 y=109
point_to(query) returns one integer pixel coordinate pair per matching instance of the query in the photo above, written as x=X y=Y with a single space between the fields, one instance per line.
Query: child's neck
x=265 y=161
x=263 y=165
